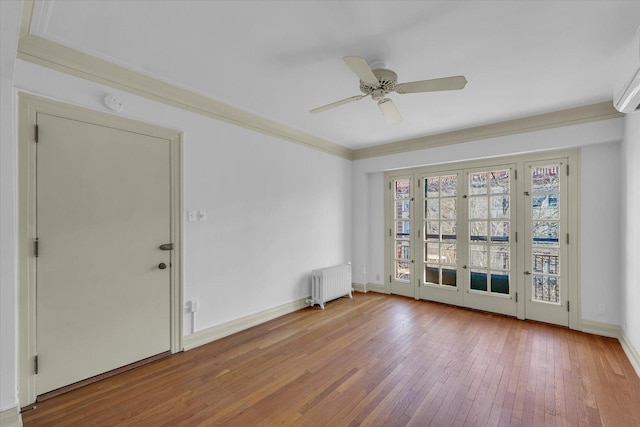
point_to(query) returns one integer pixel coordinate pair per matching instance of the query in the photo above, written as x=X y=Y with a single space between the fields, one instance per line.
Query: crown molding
x=53 y=55
x=571 y=116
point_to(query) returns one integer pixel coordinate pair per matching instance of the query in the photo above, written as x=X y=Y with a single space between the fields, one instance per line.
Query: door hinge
x=389 y=185
x=390 y=233
x=389 y=278
x=418 y=233
x=515 y=174
x=36 y=134
x=567 y=238
x=567 y=170
x=36 y=247
x=516 y=297
x=516 y=237
x=419 y=183
x=568 y=306
x=35 y=364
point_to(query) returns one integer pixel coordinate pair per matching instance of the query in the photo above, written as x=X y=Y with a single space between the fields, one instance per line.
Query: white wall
x=9 y=22
x=275 y=209
x=630 y=229
x=368 y=249
x=600 y=243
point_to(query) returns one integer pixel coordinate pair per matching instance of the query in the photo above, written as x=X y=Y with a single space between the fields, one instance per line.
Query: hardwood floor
x=374 y=360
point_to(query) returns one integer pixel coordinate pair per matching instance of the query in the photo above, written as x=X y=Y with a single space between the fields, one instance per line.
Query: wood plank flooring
x=374 y=360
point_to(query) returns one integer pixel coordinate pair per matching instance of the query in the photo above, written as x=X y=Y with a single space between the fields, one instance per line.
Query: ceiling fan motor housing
x=387 y=81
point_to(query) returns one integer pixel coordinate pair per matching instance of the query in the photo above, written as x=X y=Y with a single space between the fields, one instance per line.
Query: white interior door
x=103 y=210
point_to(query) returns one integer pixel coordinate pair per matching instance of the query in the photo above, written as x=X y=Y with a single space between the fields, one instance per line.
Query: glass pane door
x=439 y=243
x=401 y=235
x=491 y=248
x=545 y=195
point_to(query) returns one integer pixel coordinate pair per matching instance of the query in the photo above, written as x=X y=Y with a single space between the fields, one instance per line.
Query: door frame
x=28 y=108
x=573 y=213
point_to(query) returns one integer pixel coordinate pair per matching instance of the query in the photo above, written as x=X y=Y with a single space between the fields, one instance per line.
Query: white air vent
x=626 y=94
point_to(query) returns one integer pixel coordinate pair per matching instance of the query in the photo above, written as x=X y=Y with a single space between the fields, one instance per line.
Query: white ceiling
x=279 y=59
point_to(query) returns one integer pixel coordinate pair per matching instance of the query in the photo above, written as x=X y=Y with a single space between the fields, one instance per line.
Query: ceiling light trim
x=53 y=55
x=568 y=117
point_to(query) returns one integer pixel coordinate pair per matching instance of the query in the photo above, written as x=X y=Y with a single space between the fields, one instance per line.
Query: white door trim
x=28 y=107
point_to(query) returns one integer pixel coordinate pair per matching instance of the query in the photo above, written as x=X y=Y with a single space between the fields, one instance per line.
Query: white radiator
x=330 y=283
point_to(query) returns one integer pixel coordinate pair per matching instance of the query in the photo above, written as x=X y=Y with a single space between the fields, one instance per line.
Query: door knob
x=162 y=266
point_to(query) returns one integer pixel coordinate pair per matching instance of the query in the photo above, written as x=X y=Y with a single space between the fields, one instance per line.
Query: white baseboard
x=359 y=287
x=614 y=331
x=630 y=351
x=11 y=418
x=602 y=329
x=213 y=333
x=381 y=289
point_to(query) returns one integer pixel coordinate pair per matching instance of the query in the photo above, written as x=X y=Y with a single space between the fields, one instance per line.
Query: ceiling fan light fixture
x=377 y=81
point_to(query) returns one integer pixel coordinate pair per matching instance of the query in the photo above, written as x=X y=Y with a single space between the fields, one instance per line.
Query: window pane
x=478 y=255
x=478 y=231
x=432 y=230
x=448 y=208
x=546 y=260
x=478 y=208
x=432 y=187
x=499 y=182
x=545 y=179
x=478 y=183
x=499 y=231
x=448 y=186
x=545 y=233
x=402 y=189
x=403 y=229
x=432 y=209
x=402 y=270
x=448 y=254
x=403 y=250
x=500 y=282
x=500 y=257
x=432 y=252
x=402 y=209
x=478 y=280
x=500 y=207
x=449 y=277
x=546 y=288
x=448 y=230
x=545 y=206
x=432 y=274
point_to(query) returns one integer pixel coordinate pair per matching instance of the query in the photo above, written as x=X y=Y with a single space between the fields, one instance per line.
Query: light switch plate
x=202 y=215
x=192 y=216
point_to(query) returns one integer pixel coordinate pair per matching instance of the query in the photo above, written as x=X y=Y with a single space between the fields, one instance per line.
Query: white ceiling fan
x=377 y=81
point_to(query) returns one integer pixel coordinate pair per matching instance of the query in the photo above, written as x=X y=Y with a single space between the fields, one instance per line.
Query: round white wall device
x=113 y=103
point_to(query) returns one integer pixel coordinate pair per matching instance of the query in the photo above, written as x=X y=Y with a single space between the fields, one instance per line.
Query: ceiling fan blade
x=389 y=111
x=446 y=83
x=337 y=103
x=361 y=69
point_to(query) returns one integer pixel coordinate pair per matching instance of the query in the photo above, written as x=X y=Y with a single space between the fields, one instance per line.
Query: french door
x=546 y=238
x=467 y=245
x=453 y=237
x=402 y=253
x=441 y=276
